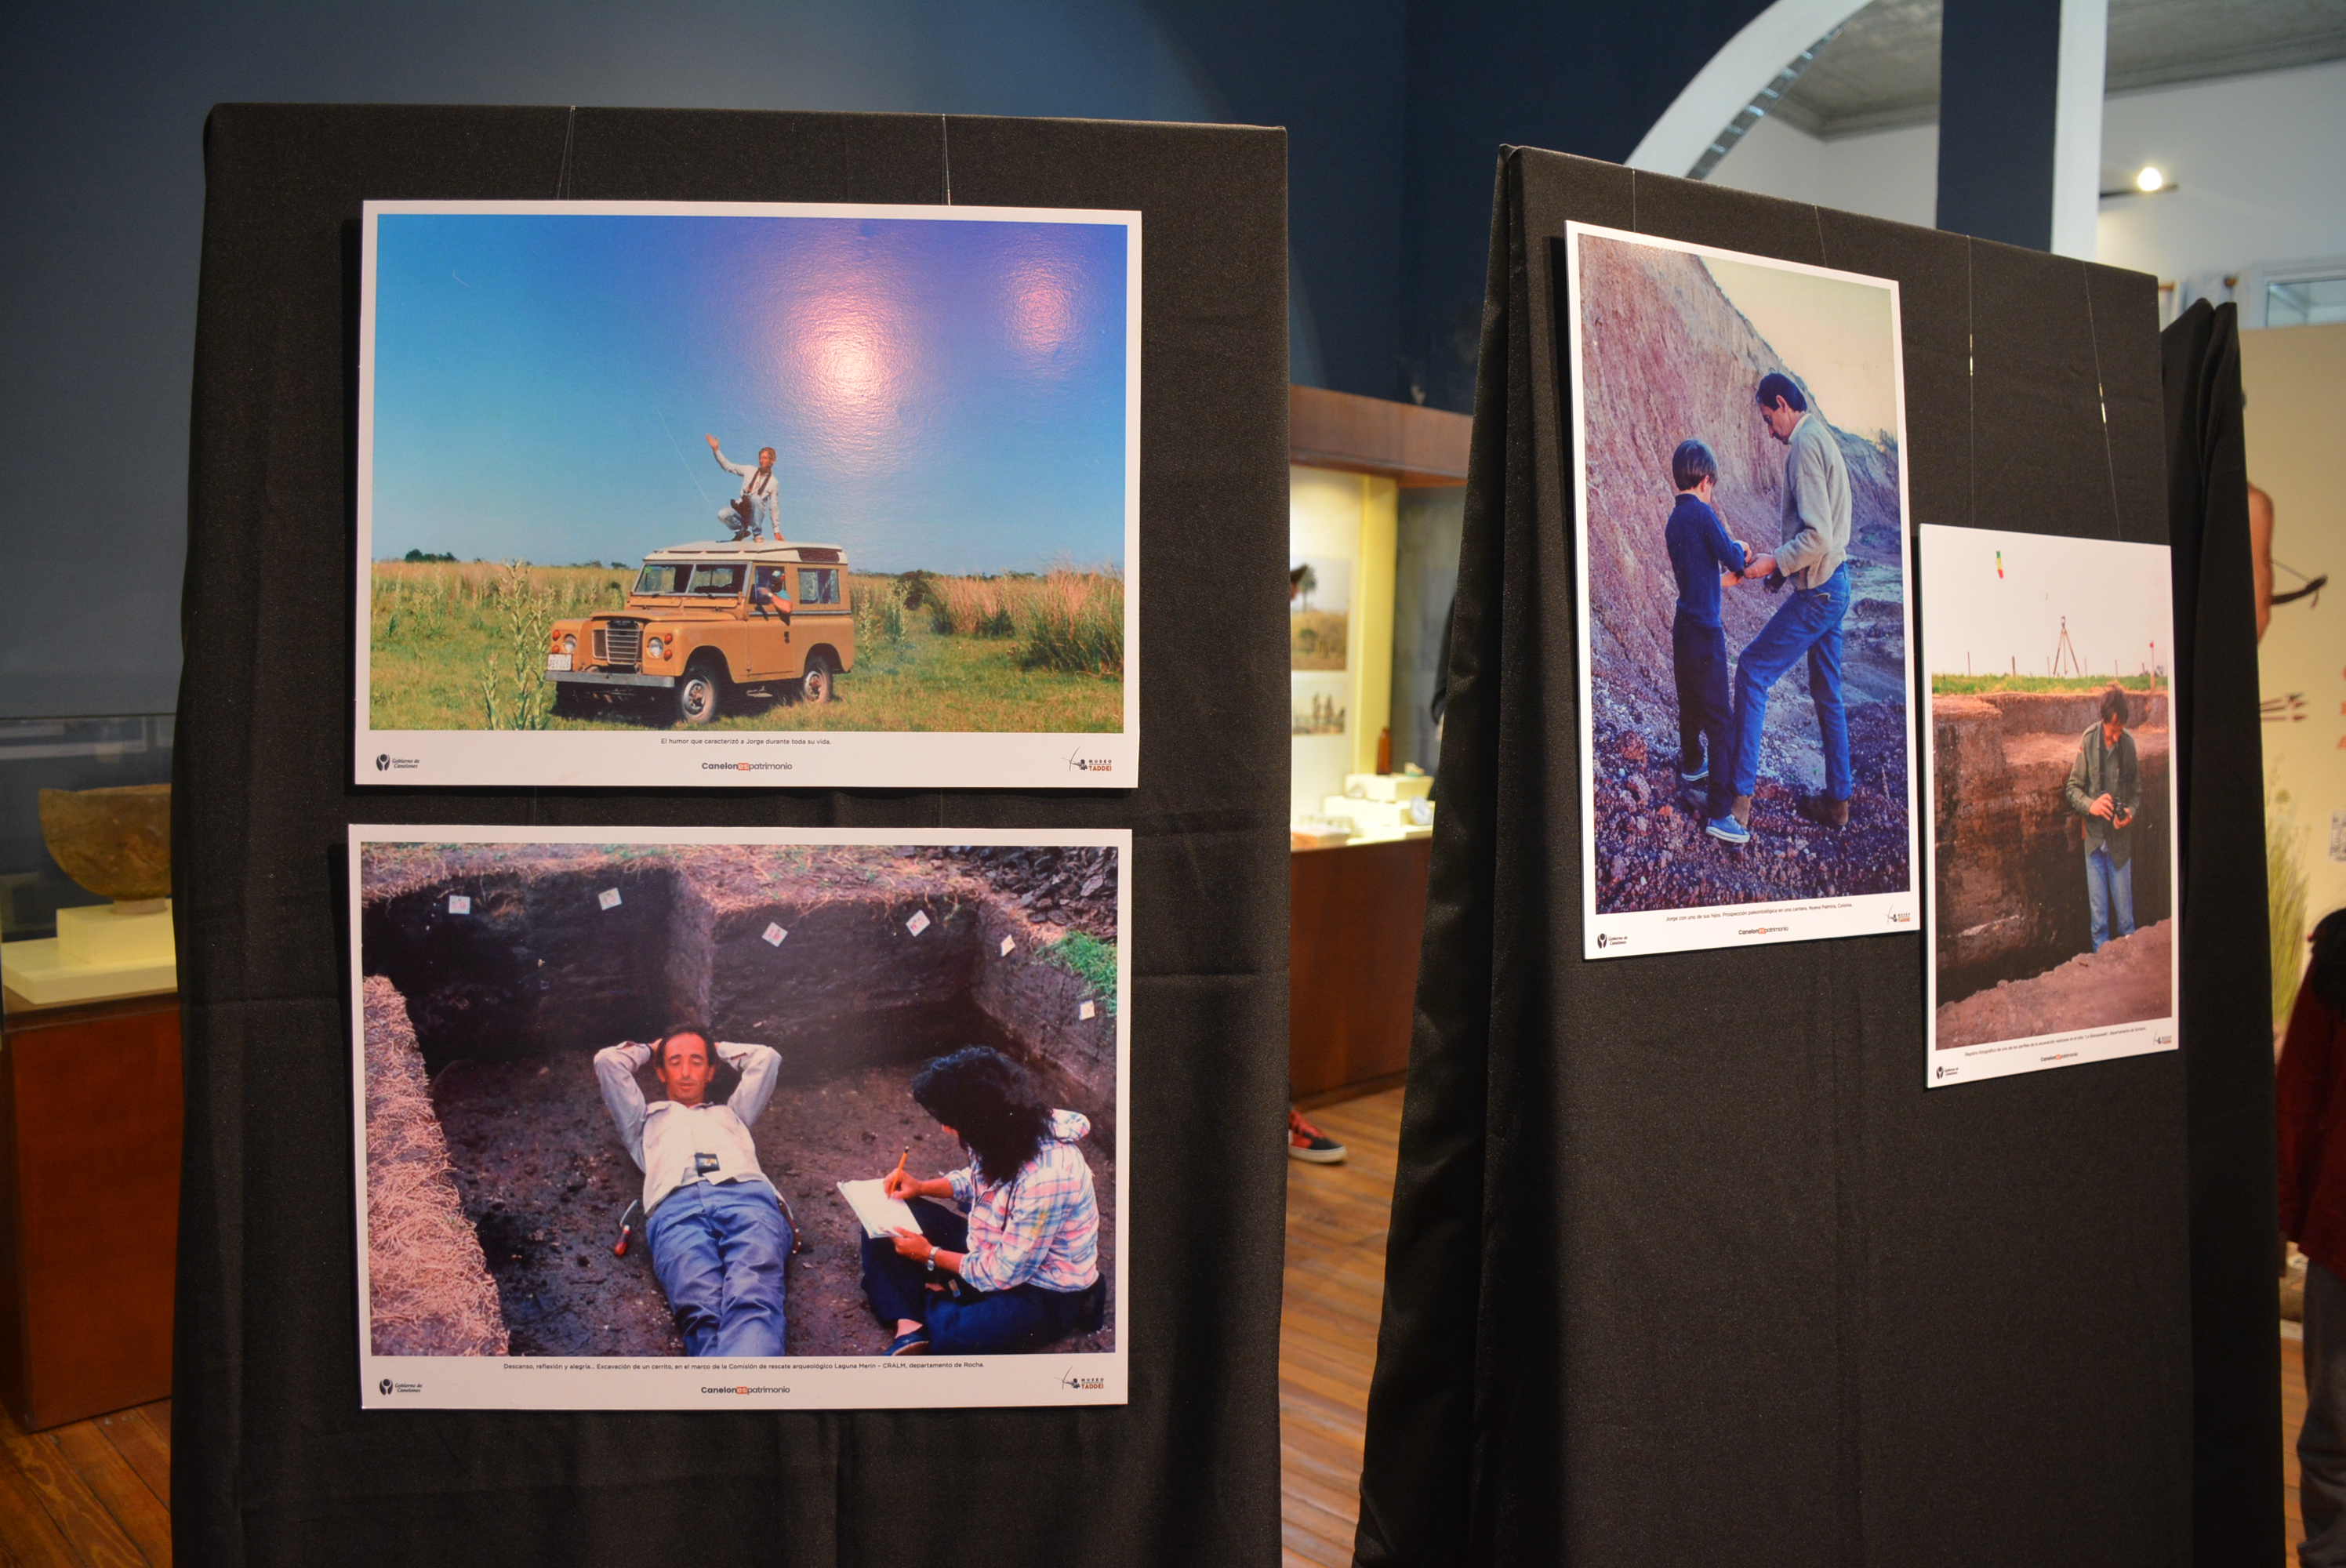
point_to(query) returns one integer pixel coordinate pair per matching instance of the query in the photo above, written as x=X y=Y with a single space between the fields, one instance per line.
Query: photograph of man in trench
x=716 y=1227
x=2104 y=792
x=1023 y=1268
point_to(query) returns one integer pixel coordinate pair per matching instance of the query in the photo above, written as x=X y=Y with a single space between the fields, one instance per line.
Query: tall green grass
x=1074 y=622
x=1088 y=959
x=1973 y=685
x=2286 y=886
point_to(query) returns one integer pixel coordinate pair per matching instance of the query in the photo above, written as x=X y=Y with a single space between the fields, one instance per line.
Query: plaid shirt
x=1040 y=1227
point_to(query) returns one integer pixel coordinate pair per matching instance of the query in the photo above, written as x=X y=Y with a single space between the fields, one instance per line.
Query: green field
x=1973 y=685
x=462 y=647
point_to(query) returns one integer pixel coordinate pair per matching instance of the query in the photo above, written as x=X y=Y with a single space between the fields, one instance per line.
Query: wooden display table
x=89 y=1204
x=1356 y=912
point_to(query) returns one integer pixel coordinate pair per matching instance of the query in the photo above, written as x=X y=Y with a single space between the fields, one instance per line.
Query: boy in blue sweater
x=1704 y=559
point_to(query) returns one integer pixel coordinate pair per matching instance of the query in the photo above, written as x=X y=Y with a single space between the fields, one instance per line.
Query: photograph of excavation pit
x=2015 y=953
x=492 y=974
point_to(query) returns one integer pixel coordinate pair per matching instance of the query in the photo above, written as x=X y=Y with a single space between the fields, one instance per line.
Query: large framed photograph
x=660 y=493
x=2052 y=855
x=700 y=1119
x=1739 y=448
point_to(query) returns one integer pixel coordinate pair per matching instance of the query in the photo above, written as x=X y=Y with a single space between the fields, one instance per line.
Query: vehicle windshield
x=671 y=577
x=725 y=580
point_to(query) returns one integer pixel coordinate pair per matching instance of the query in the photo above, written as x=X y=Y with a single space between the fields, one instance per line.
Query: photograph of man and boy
x=631 y=467
x=611 y=1091
x=2052 y=840
x=1739 y=433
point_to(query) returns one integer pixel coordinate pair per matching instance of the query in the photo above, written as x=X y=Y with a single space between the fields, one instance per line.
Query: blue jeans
x=2109 y=892
x=719 y=1252
x=1808 y=623
x=2321 y=1442
x=959 y=1320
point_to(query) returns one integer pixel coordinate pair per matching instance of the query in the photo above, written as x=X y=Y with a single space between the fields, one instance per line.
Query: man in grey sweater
x=1814 y=560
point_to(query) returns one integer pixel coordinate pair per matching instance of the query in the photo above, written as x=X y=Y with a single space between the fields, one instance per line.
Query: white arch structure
x=1733 y=77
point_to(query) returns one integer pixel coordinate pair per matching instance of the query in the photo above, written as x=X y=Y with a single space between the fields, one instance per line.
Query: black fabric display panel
x=2227 y=1018
x=1685 y=1265
x=274 y=1462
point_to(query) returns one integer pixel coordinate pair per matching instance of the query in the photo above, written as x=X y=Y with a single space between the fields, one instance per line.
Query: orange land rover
x=707 y=626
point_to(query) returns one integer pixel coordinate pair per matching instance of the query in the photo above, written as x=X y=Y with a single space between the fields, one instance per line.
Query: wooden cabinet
x=1356 y=912
x=89 y=1206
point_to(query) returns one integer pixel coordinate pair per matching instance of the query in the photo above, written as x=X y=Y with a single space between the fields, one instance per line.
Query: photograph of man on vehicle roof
x=935 y=533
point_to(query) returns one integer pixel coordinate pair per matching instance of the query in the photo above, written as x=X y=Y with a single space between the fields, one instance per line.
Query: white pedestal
x=97 y=955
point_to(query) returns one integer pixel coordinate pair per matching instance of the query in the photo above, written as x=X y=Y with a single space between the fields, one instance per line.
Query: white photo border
x=1636 y=933
x=2072 y=1047
x=721 y=1384
x=824 y=759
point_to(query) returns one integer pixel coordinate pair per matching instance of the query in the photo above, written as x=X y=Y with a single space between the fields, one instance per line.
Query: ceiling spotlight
x=2151 y=180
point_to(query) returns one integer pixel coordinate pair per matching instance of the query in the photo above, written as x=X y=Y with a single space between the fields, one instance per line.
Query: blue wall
x=1394 y=112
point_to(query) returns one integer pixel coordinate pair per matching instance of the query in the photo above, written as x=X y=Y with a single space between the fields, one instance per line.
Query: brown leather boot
x=1742 y=809
x=1825 y=811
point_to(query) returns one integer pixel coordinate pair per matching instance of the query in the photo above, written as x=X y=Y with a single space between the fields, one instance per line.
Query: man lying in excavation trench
x=714 y=1223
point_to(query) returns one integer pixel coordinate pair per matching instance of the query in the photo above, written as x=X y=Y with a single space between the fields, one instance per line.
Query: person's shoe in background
x=1308 y=1142
x=1825 y=812
x=1728 y=831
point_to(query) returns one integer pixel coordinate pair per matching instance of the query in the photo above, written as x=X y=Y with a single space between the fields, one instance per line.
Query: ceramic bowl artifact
x=116 y=843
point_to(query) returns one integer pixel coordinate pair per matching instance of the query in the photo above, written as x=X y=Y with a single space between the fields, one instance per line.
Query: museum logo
x=1082 y=764
x=1081 y=1385
x=388 y=1387
x=384 y=762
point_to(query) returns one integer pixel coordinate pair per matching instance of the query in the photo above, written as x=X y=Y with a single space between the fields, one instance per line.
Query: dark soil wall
x=2009 y=879
x=537 y=965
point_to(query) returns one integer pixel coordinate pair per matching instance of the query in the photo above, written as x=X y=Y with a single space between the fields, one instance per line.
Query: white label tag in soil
x=459 y=904
x=609 y=898
x=918 y=923
x=1008 y=944
x=774 y=936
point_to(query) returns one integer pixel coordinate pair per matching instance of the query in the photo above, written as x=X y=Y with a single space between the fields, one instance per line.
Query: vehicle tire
x=570 y=701
x=813 y=685
x=699 y=695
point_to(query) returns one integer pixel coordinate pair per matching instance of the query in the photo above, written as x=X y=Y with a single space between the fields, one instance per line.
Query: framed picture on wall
x=2054 y=864
x=724 y=1119
x=659 y=493
x=1738 y=428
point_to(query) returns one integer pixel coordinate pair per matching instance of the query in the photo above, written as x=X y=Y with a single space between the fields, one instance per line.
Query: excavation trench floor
x=544 y=1179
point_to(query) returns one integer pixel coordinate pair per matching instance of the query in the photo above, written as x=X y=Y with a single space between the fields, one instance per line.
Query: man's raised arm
x=759 y=1067
x=615 y=1070
x=739 y=470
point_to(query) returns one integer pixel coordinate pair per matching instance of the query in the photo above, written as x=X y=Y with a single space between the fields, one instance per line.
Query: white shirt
x=667 y=1139
x=757 y=489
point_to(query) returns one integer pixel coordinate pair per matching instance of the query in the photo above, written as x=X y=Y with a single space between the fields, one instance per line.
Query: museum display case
x=91 y=1018
x=86 y=859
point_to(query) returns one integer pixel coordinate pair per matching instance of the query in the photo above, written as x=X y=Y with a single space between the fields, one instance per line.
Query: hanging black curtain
x=1685 y=1265
x=273 y=1460
x=2227 y=1018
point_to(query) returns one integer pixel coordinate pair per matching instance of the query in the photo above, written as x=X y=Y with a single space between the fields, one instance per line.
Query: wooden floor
x=99 y=1492
x=1328 y=1327
x=95 y=1494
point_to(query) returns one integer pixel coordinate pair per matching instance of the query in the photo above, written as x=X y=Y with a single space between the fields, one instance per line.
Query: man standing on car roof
x=757 y=494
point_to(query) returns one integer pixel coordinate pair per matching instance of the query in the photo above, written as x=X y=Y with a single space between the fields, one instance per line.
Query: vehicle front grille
x=619 y=642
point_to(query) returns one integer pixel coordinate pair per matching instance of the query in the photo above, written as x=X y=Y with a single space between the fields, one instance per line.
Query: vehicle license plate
x=557 y=661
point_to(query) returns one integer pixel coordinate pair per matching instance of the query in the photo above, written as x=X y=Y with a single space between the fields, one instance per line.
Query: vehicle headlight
x=656 y=647
x=570 y=644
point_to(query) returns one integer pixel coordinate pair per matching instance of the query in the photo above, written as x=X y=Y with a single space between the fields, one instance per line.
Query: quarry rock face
x=1667 y=357
x=2010 y=878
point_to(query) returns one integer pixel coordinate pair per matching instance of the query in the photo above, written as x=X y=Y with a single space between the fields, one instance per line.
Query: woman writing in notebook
x=1023 y=1269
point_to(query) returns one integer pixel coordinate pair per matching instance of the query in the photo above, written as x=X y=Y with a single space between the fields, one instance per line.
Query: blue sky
x=947 y=394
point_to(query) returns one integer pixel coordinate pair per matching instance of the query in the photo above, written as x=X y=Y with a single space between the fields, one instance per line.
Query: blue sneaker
x=1728 y=831
x=1697 y=777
